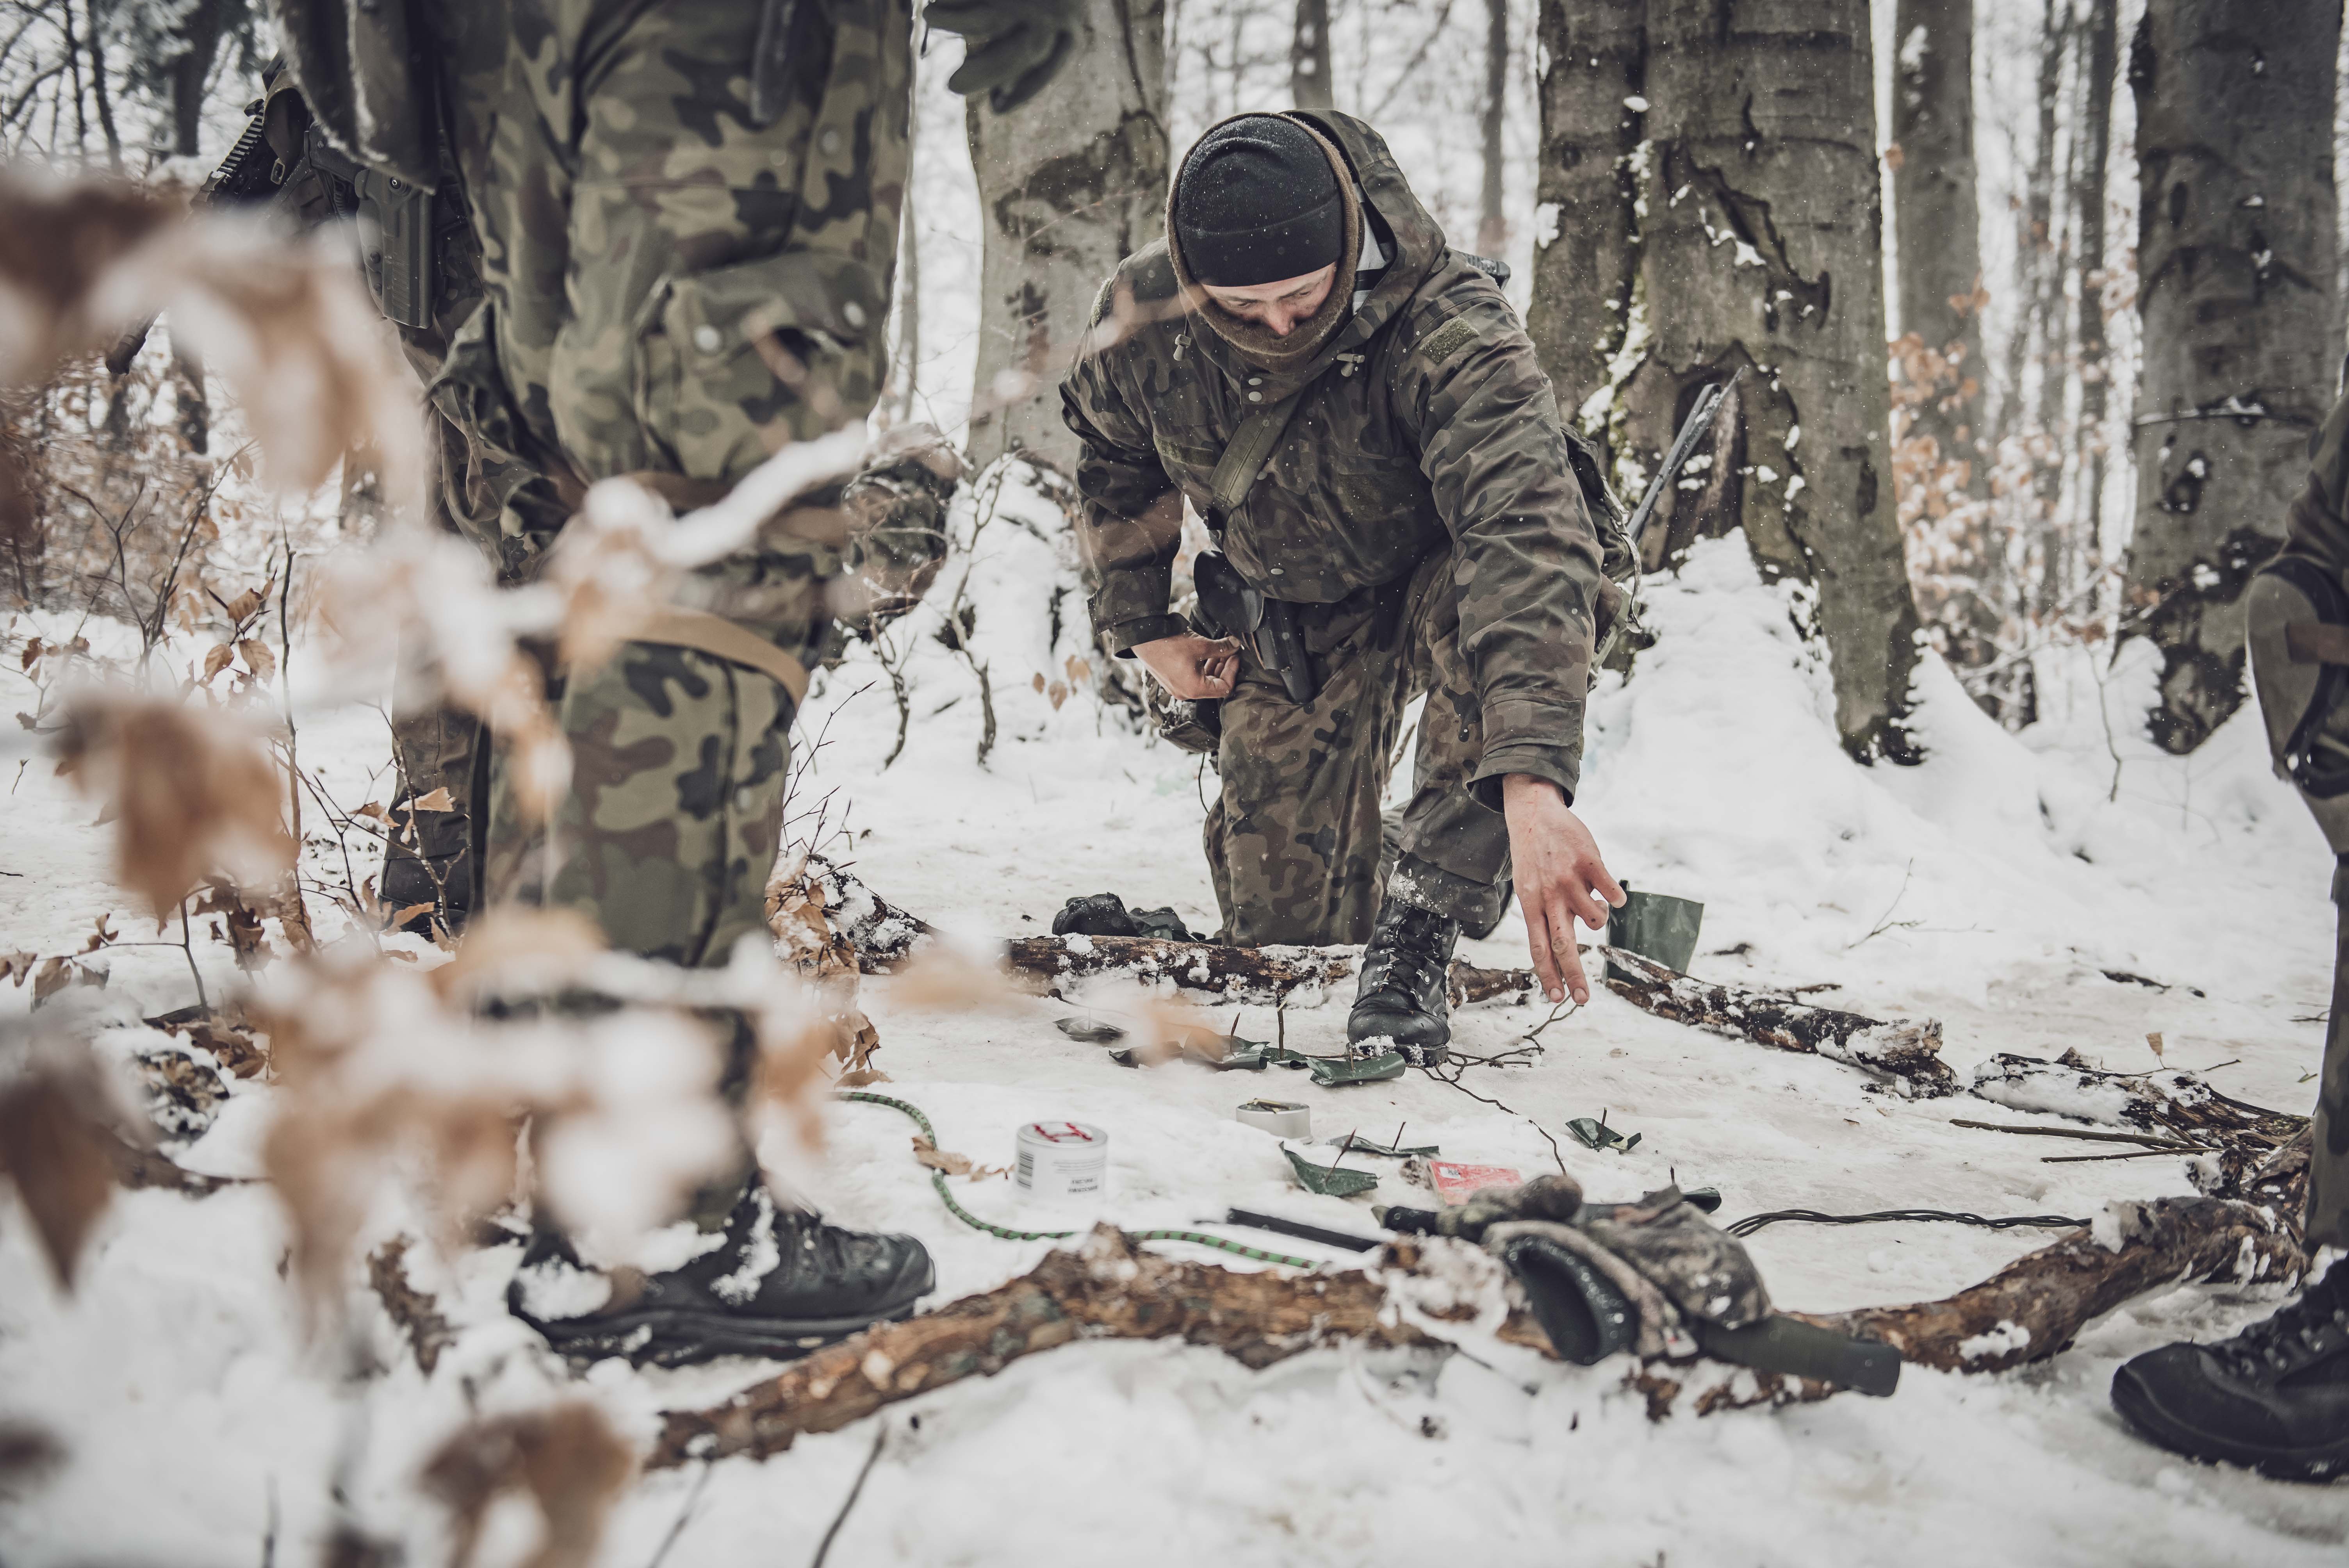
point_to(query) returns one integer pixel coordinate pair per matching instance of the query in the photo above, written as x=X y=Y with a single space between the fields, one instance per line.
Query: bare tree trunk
x=1761 y=248
x=1935 y=208
x=2098 y=64
x=100 y=91
x=2236 y=257
x=2049 y=337
x=189 y=69
x=1492 y=226
x=1310 y=84
x=1070 y=183
x=1586 y=265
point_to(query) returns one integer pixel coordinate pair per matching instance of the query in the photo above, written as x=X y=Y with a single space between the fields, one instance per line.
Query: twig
x=676 y=1527
x=188 y=946
x=2135 y=1154
x=825 y=1547
x=1887 y=923
x=2074 y=1132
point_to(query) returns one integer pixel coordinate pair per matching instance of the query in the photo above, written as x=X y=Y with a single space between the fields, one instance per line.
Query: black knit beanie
x=1257 y=202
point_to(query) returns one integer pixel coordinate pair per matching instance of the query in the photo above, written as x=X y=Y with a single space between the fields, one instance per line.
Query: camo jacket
x=1425 y=424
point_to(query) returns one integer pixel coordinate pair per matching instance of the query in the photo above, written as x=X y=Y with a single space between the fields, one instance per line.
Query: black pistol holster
x=1229 y=607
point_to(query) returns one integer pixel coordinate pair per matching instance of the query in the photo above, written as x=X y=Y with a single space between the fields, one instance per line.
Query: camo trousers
x=1293 y=840
x=678 y=284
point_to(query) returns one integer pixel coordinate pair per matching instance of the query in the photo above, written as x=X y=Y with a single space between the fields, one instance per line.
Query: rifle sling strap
x=1244 y=459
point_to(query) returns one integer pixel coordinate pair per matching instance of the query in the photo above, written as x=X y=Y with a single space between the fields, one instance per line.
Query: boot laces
x=2313 y=1327
x=1410 y=953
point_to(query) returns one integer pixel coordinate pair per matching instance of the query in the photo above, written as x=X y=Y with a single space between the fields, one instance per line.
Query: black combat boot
x=2274 y=1397
x=778 y=1283
x=1404 y=970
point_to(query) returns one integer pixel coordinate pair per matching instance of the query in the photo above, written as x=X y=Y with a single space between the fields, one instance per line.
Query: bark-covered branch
x=1108 y=1289
x=1908 y=1054
x=2032 y=1308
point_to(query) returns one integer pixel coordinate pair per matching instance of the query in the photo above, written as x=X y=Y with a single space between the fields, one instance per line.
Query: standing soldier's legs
x=678 y=291
x=2276 y=1396
x=678 y=285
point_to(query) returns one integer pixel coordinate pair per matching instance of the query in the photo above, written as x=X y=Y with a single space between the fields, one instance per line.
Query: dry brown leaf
x=189 y=791
x=58 y=241
x=217 y=659
x=56 y=1156
x=945 y=981
x=242 y=608
x=17 y=967
x=51 y=978
x=31 y=654
x=438 y=800
x=101 y=933
x=2154 y=1040
x=400 y=917
x=568 y=1459
x=1057 y=694
x=1893 y=157
x=26 y=1452
x=1039 y=680
x=937 y=1159
x=517 y=936
x=790 y=1069
x=861 y=1077
x=258 y=658
x=1080 y=670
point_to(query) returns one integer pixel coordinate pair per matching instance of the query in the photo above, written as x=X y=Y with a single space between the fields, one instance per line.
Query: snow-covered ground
x=1991 y=888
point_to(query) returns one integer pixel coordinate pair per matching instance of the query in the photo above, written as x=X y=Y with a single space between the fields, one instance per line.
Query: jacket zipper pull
x=1182 y=342
x=1350 y=362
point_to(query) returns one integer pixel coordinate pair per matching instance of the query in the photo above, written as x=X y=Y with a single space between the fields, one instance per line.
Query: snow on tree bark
x=1594 y=60
x=2236 y=259
x=1070 y=183
x=1759 y=237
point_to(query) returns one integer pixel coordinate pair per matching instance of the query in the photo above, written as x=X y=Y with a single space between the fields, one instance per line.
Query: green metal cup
x=1657 y=926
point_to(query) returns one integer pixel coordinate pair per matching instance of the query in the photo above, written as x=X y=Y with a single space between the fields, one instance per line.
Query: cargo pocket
x=735 y=363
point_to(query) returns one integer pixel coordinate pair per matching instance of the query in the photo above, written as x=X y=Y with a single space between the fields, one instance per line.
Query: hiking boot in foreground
x=1402 y=995
x=2274 y=1397
x=776 y=1283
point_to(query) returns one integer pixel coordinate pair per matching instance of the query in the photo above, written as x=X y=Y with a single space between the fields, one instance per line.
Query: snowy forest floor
x=1992 y=888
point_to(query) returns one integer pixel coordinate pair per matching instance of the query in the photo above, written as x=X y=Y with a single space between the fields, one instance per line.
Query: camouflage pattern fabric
x=1425 y=431
x=1294 y=838
x=1424 y=422
x=672 y=285
x=2317 y=528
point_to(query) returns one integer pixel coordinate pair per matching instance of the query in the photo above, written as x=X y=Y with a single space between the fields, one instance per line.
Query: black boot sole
x=677 y=1337
x=2137 y=1402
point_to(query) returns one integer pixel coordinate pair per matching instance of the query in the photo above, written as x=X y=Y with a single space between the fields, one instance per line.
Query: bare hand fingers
x=1568 y=953
x=1538 y=941
x=1578 y=897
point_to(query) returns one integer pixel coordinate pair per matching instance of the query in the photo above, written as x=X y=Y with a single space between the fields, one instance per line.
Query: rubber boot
x=2274 y=1397
x=777 y=1284
x=1401 y=996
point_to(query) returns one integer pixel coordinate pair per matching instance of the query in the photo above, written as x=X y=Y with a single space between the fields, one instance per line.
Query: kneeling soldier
x=1353 y=409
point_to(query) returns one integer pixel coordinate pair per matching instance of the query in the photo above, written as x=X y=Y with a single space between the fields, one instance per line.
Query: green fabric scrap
x=1333 y=1074
x=1599 y=1136
x=1328 y=1180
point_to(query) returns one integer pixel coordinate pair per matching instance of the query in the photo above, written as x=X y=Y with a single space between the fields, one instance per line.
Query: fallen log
x=1906 y=1054
x=1106 y=1289
x=1259 y=976
x=1102 y=1289
x=2033 y=1308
